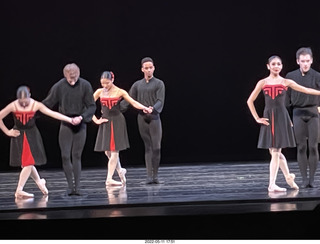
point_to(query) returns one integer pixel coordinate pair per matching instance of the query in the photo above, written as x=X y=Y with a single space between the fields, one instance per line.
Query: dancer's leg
x=79 y=139
x=65 y=143
x=313 y=130
x=300 y=132
x=121 y=171
x=273 y=169
x=284 y=166
x=24 y=176
x=143 y=126
x=41 y=183
x=112 y=164
x=155 y=129
x=286 y=172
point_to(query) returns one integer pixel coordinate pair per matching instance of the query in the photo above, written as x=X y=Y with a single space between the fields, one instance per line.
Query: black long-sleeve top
x=150 y=93
x=311 y=79
x=72 y=100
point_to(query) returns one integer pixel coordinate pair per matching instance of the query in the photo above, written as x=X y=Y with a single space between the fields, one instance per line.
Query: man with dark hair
x=74 y=96
x=305 y=116
x=149 y=91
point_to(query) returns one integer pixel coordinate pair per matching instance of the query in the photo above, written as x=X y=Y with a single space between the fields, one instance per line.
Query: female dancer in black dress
x=112 y=135
x=27 y=148
x=276 y=128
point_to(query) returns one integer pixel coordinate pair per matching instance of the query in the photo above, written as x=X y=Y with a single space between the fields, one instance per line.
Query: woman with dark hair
x=112 y=135
x=27 y=148
x=276 y=127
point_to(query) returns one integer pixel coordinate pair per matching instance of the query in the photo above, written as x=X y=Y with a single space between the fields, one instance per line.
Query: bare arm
x=45 y=110
x=96 y=96
x=253 y=96
x=133 y=102
x=3 y=113
x=292 y=84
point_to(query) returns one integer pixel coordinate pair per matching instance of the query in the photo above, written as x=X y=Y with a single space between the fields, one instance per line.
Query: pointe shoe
x=113 y=183
x=42 y=186
x=122 y=175
x=23 y=194
x=276 y=188
x=291 y=183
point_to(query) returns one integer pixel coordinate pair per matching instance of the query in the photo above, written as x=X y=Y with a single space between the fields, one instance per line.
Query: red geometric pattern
x=109 y=101
x=24 y=117
x=274 y=90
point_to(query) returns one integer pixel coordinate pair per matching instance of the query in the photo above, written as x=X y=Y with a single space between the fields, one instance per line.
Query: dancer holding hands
x=276 y=130
x=112 y=134
x=27 y=148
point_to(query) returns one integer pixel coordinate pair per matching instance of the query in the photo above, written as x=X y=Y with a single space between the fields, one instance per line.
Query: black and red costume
x=26 y=149
x=112 y=135
x=279 y=132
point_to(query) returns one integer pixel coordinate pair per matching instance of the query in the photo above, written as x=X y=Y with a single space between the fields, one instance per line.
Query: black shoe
x=312 y=185
x=70 y=192
x=149 y=181
x=305 y=184
x=311 y=182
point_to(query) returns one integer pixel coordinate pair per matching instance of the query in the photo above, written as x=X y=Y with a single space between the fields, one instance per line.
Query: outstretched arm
x=45 y=110
x=133 y=102
x=3 y=113
x=251 y=106
x=297 y=87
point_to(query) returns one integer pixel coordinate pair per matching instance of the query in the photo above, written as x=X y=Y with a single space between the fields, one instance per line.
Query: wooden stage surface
x=200 y=200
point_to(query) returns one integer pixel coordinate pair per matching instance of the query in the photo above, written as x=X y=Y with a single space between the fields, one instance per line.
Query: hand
x=13 y=133
x=263 y=121
x=148 y=110
x=101 y=121
x=76 y=120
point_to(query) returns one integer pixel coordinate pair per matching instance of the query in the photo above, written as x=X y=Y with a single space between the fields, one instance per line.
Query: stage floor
x=200 y=189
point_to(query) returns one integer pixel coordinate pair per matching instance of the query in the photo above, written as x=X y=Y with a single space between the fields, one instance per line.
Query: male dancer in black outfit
x=149 y=91
x=305 y=116
x=74 y=96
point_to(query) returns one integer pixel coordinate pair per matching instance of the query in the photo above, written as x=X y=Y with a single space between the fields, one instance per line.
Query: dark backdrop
x=210 y=56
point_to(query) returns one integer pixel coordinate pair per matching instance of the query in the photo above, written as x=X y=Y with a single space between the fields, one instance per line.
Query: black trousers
x=71 y=141
x=150 y=129
x=306 y=129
